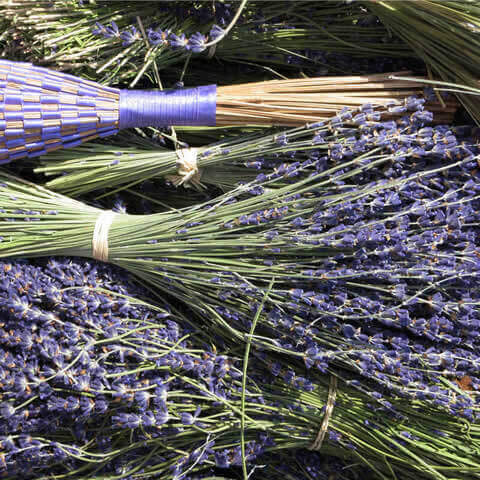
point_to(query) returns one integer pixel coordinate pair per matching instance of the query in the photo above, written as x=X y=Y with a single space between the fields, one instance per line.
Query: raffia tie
x=332 y=395
x=188 y=172
x=100 y=235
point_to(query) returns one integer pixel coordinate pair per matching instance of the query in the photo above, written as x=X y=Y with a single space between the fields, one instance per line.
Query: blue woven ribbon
x=185 y=106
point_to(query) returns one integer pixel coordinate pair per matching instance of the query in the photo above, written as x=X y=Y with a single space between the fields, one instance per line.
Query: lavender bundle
x=361 y=222
x=96 y=384
x=123 y=42
x=223 y=164
x=232 y=161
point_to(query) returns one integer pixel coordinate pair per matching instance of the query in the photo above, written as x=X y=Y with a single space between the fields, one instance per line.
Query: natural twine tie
x=188 y=172
x=332 y=395
x=100 y=236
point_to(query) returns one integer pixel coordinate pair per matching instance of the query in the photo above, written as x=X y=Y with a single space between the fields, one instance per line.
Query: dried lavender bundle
x=61 y=299
x=107 y=38
x=97 y=384
x=364 y=228
x=240 y=159
x=93 y=166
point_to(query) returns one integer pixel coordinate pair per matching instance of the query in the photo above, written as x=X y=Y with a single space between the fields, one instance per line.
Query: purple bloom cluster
x=159 y=37
x=195 y=43
x=128 y=35
x=399 y=289
x=253 y=27
x=216 y=15
x=78 y=352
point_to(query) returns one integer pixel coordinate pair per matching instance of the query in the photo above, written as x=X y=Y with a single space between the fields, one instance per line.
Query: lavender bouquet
x=97 y=384
x=364 y=228
x=241 y=159
x=223 y=164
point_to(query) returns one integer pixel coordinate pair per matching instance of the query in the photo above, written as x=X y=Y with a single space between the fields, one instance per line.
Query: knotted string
x=100 y=235
x=183 y=106
x=188 y=171
x=332 y=395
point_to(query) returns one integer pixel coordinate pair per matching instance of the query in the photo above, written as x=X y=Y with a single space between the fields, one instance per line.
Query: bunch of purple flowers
x=82 y=364
x=95 y=381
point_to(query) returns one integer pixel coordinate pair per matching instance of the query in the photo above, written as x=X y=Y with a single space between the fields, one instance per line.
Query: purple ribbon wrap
x=186 y=106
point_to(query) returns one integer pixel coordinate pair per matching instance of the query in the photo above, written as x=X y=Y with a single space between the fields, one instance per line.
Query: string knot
x=188 y=172
x=100 y=235
x=332 y=395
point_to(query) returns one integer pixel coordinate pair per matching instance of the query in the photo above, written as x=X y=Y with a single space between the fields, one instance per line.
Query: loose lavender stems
x=443 y=34
x=322 y=37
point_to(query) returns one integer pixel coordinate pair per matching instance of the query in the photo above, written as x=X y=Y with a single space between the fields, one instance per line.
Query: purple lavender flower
x=130 y=35
x=158 y=36
x=215 y=32
x=189 y=419
x=98 y=29
x=179 y=41
x=196 y=43
x=106 y=31
x=112 y=30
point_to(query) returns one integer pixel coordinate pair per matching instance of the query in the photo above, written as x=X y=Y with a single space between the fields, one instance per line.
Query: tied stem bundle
x=135 y=378
x=222 y=164
x=230 y=162
x=195 y=267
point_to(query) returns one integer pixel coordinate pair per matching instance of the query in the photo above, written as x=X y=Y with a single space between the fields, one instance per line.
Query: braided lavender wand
x=42 y=110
